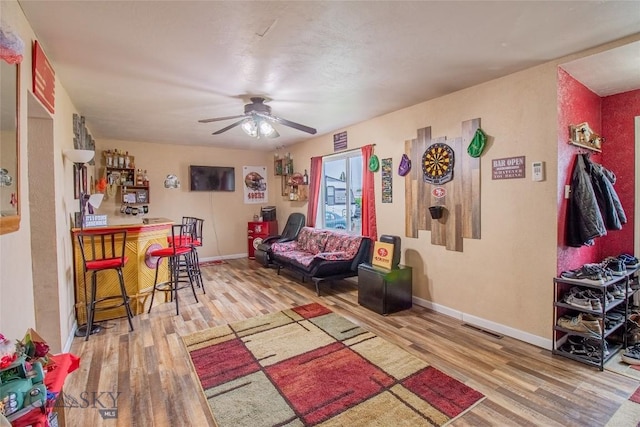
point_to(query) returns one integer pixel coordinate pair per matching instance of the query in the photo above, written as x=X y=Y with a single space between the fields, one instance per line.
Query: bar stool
x=196 y=242
x=101 y=251
x=178 y=254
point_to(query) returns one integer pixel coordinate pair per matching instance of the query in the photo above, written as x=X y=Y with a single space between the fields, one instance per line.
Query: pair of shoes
x=586 y=272
x=591 y=294
x=583 y=323
x=583 y=299
x=629 y=261
x=597 y=344
x=616 y=265
x=582 y=349
x=617 y=291
x=631 y=355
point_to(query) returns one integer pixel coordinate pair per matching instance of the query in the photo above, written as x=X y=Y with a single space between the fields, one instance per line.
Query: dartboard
x=437 y=164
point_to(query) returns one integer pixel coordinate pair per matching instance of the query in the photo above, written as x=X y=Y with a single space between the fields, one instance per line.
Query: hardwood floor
x=148 y=372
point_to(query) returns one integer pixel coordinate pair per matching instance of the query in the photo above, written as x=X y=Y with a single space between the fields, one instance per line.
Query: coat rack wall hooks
x=582 y=136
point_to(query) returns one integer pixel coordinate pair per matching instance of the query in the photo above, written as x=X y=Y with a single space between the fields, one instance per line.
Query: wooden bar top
x=139 y=225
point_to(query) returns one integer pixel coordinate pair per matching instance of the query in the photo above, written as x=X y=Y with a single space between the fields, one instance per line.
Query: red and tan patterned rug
x=628 y=415
x=310 y=366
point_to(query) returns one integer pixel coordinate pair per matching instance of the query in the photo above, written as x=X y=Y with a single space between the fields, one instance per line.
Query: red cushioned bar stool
x=194 y=240
x=178 y=254
x=195 y=243
x=102 y=251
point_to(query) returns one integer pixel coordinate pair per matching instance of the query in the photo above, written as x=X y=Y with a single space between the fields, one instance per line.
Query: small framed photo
x=141 y=196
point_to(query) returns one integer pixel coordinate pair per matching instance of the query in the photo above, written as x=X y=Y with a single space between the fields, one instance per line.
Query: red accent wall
x=576 y=104
x=613 y=118
x=618 y=113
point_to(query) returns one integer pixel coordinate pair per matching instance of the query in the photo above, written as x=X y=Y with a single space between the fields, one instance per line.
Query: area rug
x=628 y=415
x=308 y=366
x=615 y=364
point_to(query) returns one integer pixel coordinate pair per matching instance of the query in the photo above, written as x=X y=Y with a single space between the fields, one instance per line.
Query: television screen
x=212 y=178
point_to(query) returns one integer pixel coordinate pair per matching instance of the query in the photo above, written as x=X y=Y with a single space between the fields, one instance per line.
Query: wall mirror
x=9 y=147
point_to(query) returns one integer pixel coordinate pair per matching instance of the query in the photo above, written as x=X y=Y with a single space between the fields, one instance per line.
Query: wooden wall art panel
x=461 y=199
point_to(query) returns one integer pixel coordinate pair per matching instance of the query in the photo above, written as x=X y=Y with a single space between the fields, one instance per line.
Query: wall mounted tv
x=212 y=178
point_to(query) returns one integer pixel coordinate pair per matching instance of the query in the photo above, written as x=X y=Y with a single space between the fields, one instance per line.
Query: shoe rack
x=587 y=347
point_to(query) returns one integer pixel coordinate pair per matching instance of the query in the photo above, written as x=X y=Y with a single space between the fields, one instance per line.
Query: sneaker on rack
x=583 y=323
x=597 y=344
x=615 y=265
x=593 y=272
x=629 y=261
x=617 y=291
x=595 y=298
x=578 y=300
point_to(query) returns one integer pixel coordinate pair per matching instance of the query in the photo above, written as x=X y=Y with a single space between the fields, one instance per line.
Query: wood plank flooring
x=150 y=371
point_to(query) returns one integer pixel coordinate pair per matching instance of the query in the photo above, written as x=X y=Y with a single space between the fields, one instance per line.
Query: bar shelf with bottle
x=120 y=171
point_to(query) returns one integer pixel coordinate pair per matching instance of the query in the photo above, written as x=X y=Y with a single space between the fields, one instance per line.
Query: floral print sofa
x=322 y=255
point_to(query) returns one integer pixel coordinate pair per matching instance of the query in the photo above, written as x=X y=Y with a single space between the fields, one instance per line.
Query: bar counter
x=139 y=272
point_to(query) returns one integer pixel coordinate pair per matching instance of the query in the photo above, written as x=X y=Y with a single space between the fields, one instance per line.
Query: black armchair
x=294 y=224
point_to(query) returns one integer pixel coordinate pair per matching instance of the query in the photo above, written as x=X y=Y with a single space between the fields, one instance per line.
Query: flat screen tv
x=212 y=178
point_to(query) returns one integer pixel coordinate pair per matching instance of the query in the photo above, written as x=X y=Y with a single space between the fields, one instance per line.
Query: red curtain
x=369 y=226
x=315 y=179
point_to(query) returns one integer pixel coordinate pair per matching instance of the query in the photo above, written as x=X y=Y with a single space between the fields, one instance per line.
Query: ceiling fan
x=256 y=121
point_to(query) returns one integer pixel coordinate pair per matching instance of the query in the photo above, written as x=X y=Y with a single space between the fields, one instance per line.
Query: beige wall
x=505 y=277
x=225 y=213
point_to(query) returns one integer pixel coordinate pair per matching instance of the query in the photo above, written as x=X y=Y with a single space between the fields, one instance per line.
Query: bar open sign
x=508 y=168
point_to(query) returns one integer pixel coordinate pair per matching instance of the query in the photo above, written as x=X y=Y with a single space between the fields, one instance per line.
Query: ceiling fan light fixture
x=250 y=128
x=265 y=128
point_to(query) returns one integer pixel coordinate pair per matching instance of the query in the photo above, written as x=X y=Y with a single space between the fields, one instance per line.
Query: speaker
x=397 y=248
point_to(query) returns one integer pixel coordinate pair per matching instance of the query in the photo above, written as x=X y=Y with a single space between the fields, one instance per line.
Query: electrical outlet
x=538 y=171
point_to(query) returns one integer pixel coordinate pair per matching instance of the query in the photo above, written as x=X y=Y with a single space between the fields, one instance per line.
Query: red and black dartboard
x=437 y=164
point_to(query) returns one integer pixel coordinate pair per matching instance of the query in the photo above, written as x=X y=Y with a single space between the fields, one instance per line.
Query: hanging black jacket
x=594 y=206
x=608 y=200
x=584 y=219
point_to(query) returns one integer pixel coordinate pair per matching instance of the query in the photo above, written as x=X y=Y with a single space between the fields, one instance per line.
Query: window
x=341 y=192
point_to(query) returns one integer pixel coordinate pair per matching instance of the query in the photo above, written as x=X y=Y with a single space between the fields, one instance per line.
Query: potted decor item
x=436 y=211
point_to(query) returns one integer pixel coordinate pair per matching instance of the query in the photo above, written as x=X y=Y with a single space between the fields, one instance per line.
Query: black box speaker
x=397 y=248
x=268 y=213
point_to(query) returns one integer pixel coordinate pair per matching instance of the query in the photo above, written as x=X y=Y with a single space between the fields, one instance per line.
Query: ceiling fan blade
x=217 y=119
x=289 y=123
x=231 y=126
x=295 y=125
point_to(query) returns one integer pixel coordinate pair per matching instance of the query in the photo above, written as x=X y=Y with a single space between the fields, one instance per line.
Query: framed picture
x=141 y=196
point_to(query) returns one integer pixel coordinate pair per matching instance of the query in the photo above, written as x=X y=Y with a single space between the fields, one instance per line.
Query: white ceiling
x=149 y=70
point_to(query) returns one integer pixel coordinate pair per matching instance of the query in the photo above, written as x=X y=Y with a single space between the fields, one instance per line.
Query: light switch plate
x=538 y=171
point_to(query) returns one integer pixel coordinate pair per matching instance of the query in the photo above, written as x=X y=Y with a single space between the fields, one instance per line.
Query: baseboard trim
x=488 y=325
x=72 y=334
x=223 y=257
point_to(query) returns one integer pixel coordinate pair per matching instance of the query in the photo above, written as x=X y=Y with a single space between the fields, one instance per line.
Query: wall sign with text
x=44 y=79
x=508 y=168
x=339 y=141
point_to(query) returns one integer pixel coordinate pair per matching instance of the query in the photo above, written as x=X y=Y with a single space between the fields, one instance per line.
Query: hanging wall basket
x=436 y=211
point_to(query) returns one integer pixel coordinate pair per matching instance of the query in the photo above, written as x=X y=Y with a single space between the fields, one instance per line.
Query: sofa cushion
x=283 y=247
x=342 y=246
x=312 y=240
